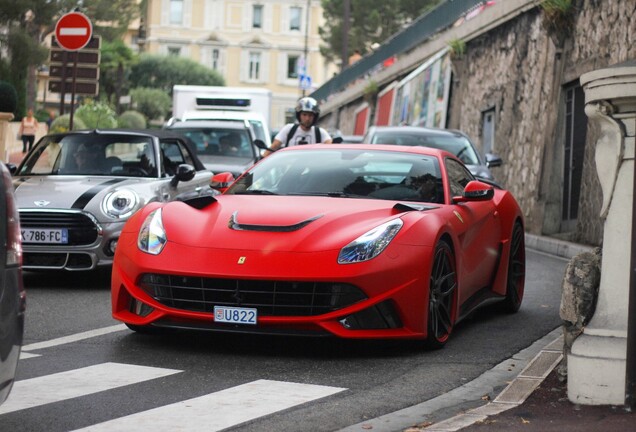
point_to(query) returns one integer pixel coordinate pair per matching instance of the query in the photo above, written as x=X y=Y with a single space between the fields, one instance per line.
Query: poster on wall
x=422 y=96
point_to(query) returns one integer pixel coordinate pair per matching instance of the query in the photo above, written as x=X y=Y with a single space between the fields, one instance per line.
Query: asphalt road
x=239 y=382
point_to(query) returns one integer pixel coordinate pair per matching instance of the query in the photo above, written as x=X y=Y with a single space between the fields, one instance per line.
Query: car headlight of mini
x=120 y=204
x=370 y=244
x=152 y=237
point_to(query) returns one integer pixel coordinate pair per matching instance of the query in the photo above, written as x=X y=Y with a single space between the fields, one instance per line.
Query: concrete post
x=5 y=129
x=596 y=365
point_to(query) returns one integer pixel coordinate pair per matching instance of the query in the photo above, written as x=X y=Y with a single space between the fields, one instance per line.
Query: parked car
x=453 y=141
x=354 y=240
x=210 y=137
x=256 y=120
x=353 y=139
x=12 y=294
x=72 y=213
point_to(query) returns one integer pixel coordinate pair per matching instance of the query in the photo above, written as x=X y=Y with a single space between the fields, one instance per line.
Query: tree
x=153 y=103
x=371 y=21
x=162 y=72
x=116 y=61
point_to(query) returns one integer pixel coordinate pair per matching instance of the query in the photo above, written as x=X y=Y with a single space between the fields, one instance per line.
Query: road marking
x=57 y=387
x=220 y=410
x=70 y=338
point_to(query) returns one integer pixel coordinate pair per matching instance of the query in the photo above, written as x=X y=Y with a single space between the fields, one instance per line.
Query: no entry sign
x=73 y=31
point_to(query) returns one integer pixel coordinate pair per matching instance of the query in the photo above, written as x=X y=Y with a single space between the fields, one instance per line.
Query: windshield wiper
x=255 y=192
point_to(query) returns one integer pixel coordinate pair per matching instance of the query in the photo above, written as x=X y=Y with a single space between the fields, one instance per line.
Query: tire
x=516 y=278
x=442 y=299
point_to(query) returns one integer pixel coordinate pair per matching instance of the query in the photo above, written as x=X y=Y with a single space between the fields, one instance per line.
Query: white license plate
x=45 y=235
x=235 y=315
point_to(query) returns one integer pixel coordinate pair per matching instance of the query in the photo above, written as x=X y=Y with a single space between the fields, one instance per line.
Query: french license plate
x=235 y=315
x=45 y=235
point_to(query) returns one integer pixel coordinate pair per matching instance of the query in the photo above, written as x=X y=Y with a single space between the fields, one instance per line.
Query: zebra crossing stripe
x=220 y=410
x=78 y=382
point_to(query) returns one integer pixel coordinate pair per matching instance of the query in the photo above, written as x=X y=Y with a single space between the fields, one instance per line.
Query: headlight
x=152 y=237
x=120 y=204
x=370 y=244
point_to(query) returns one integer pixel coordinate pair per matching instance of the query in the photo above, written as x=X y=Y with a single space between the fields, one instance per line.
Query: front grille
x=81 y=228
x=72 y=261
x=271 y=298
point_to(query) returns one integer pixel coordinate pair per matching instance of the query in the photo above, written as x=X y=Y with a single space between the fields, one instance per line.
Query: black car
x=12 y=294
x=453 y=141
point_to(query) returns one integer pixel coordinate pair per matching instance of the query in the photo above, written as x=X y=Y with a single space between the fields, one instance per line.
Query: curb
x=556 y=247
x=512 y=396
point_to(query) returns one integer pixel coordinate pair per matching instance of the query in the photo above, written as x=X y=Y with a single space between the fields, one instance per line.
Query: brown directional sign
x=87 y=88
x=83 y=57
x=84 y=72
x=93 y=44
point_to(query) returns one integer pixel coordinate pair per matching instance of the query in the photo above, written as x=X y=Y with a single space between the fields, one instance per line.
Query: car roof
x=375 y=147
x=226 y=124
x=416 y=130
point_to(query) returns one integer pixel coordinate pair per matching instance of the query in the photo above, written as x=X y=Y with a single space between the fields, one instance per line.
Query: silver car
x=453 y=141
x=76 y=190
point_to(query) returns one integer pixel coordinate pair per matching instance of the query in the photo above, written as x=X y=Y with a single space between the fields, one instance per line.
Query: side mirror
x=13 y=168
x=260 y=144
x=185 y=172
x=492 y=160
x=222 y=181
x=338 y=140
x=476 y=191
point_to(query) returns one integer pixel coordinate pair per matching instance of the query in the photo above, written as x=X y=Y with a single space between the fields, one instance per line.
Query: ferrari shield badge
x=241 y=260
x=458 y=216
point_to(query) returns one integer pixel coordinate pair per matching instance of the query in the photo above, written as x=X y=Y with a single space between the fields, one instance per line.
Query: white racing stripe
x=78 y=382
x=220 y=410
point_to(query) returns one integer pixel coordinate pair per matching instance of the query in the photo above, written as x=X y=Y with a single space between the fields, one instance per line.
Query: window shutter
x=265 y=63
x=187 y=13
x=165 y=12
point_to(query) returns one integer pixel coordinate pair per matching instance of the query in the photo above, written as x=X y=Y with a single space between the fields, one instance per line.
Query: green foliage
x=132 y=120
x=61 y=124
x=558 y=19
x=116 y=60
x=162 y=72
x=152 y=103
x=96 y=115
x=371 y=21
x=8 y=97
x=457 y=48
x=41 y=115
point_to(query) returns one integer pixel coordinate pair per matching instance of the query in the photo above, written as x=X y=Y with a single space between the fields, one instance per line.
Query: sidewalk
x=536 y=400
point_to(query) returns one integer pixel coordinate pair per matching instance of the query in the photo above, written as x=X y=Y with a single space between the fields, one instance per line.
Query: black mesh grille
x=81 y=229
x=271 y=298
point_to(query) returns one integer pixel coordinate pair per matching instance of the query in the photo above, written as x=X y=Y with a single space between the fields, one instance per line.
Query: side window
x=458 y=176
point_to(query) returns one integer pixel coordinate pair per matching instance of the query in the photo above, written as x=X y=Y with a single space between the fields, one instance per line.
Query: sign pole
x=70 y=123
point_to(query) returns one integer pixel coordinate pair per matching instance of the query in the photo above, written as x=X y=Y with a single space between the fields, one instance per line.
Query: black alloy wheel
x=442 y=301
x=516 y=280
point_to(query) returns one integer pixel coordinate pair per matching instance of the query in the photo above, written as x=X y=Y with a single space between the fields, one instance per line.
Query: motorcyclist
x=305 y=131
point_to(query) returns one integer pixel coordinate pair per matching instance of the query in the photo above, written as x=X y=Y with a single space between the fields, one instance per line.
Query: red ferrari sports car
x=356 y=241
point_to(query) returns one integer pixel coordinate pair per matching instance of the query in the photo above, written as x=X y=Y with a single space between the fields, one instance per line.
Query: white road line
x=220 y=410
x=78 y=382
x=73 y=338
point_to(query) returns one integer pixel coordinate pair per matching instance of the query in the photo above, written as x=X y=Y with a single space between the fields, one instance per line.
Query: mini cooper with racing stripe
x=76 y=190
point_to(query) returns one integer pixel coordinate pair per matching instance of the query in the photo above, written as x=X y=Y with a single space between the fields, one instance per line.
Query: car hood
x=272 y=223
x=65 y=192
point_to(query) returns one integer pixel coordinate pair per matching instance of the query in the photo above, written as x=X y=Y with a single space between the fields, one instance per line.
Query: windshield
x=219 y=141
x=346 y=173
x=92 y=154
x=457 y=145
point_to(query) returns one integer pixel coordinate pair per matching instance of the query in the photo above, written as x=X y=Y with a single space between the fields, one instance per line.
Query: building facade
x=251 y=43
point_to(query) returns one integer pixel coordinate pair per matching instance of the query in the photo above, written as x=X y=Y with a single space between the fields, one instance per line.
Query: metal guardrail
x=422 y=29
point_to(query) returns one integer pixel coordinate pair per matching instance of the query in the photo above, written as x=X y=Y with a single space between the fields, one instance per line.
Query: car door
x=175 y=153
x=478 y=230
